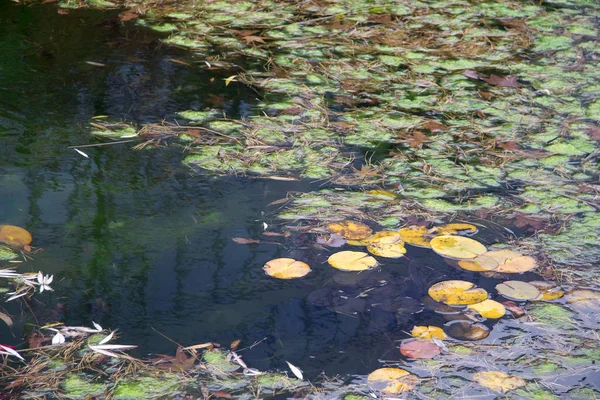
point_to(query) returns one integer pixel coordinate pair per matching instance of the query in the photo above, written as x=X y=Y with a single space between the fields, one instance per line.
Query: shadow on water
x=137 y=242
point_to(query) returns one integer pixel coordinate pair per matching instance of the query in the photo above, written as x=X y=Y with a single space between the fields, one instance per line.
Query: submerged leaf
x=498 y=381
x=467 y=330
x=286 y=268
x=419 y=349
x=352 y=261
x=456 y=292
x=392 y=380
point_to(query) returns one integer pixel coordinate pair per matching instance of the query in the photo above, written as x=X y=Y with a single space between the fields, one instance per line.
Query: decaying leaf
x=481 y=263
x=286 y=268
x=498 y=381
x=457 y=292
x=457 y=247
x=490 y=309
x=416 y=236
x=419 y=349
x=511 y=262
x=392 y=380
x=352 y=261
x=389 y=246
x=350 y=230
x=334 y=240
x=519 y=291
x=548 y=290
x=240 y=240
x=466 y=330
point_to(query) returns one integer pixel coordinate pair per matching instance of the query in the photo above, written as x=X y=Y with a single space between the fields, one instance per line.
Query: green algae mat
x=410 y=116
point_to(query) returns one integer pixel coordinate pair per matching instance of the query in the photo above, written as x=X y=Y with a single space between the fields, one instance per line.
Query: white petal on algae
x=286 y=268
x=352 y=261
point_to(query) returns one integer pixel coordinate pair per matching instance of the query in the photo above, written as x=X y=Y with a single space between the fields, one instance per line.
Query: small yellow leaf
x=498 y=381
x=489 y=309
x=416 y=236
x=480 y=263
x=383 y=193
x=519 y=291
x=232 y=78
x=428 y=332
x=451 y=229
x=457 y=247
x=454 y=293
x=392 y=380
x=352 y=261
x=548 y=290
x=15 y=236
x=286 y=268
x=350 y=230
x=389 y=245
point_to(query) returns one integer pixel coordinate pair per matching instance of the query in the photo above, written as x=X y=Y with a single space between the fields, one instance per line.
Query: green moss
x=553 y=315
x=533 y=391
x=146 y=387
x=219 y=361
x=277 y=381
x=353 y=396
x=120 y=132
x=76 y=387
x=197 y=116
x=460 y=349
x=6 y=253
x=546 y=43
x=167 y=27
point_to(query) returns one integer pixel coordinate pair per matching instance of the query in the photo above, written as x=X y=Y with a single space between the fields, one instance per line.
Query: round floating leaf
x=6 y=253
x=352 y=261
x=428 y=332
x=518 y=291
x=498 y=381
x=457 y=247
x=457 y=293
x=416 y=236
x=14 y=235
x=511 y=262
x=350 y=230
x=480 y=263
x=466 y=330
x=286 y=268
x=392 y=380
x=389 y=246
x=584 y=300
x=489 y=309
x=415 y=348
x=548 y=290
x=453 y=229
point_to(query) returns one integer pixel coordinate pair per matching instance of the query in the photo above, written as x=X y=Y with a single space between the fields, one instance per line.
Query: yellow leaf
x=389 y=245
x=498 y=381
x=479 y=264
x=232 y=78
x=548 y=290
x=451 y=229
x=350 y=230
x=519 y=291
x=15 y=236
x=428 y=332
x=392 y=380
x=286 y=268
x=511 y=262
x=416 y=236
x=383 y=193
x=457 y=247
x=489 y=309
x=454 y=293
x=352 y=261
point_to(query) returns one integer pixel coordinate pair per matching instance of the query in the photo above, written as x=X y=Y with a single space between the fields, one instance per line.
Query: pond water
x=139 y=243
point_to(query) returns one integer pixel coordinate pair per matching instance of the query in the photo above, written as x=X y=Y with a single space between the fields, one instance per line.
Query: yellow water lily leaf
x=457 y=247
x=519 y=291
x=383 y=193
x=392 y=380
x=512 y=262
x=416 y=236
x=455 y=293
x=428 y=332
x=352 y=261
x=451 y=229
x=389 y=246
x=498 y=381
x=286 y=268
x=350 y=230
x=548 y=290
x=15 y=236
x=481 y=263
x=490 y=309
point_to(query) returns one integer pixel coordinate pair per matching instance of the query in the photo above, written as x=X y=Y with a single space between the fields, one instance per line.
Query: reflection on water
x=137 y=243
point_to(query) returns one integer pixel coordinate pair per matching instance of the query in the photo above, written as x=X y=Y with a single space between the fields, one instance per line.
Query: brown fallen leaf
x=434 y=126
x=253 y=39
x=127 y=15
x=245 y=240
x=416 y=139
x=593 y=132
x=179 y=62
x=222 y=395
x=502 y=81
x=511 y=306
x=234 y=345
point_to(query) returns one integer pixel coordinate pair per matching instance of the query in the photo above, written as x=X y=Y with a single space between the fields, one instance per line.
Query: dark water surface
x=136 y=241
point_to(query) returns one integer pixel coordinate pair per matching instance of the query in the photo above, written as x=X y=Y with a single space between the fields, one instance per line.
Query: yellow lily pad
x=416 y=236
x=454 y=293
x=457 y=247
x=350 y=230
x=480 y=263
x=286 y=268
x=548 y=290
x=498 y=381
x=392 y=380
x=519 y=291
x=452 y=229
x=428 y=332
x=389 y=246
x=511 y=262
x=490 y=309
x=15 y=236
x=352 y=261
